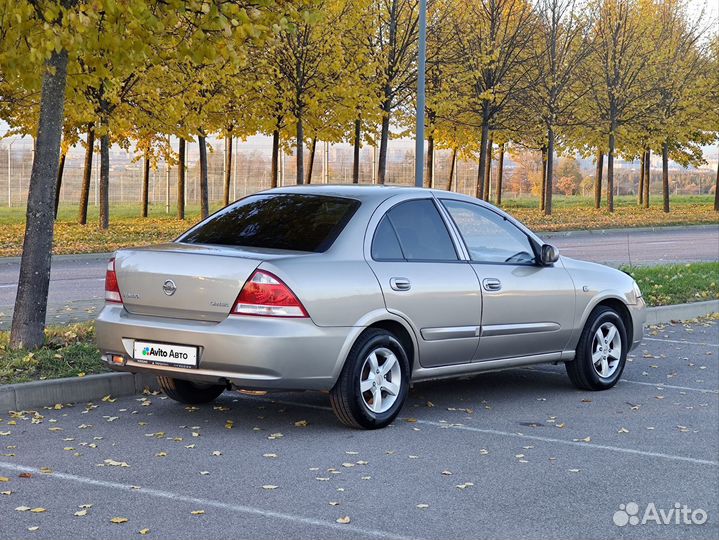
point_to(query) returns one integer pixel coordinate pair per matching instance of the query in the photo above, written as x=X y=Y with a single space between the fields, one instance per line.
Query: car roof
x=362 y=192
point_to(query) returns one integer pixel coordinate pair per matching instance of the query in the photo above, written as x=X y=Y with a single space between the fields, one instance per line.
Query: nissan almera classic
x=358 y=291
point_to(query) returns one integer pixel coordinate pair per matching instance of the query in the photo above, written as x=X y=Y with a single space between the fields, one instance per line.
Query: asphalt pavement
x=77 y=282
x=512 y=454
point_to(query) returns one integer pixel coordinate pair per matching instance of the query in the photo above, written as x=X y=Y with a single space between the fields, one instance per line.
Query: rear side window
x=277 y=221
x=420 y=231
x=385 y=246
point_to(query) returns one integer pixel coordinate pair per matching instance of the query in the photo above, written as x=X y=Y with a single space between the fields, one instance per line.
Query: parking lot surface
x=512 y=454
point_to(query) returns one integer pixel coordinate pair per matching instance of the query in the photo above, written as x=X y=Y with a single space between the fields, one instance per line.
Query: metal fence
x=251 y=166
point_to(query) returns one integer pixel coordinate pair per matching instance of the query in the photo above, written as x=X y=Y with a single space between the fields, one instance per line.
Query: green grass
x=69 y=351
x=677 y=283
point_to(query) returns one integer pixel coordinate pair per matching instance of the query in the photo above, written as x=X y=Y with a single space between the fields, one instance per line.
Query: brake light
x=266 y=295
x=112 y=289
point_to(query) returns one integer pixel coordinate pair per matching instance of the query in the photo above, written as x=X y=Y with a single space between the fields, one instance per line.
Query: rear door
x=423 y=280
x=528 y=309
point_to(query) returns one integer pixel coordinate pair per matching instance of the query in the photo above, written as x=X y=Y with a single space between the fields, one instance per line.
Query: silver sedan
x=359 y=290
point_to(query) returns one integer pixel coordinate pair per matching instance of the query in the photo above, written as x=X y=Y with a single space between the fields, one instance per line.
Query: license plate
x=165 y=354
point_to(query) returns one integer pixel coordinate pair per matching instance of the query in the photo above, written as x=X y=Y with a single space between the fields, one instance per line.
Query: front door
x=528 y=309
x=425 y=282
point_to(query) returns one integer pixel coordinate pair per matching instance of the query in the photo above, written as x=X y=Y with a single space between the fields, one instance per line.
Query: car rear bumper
x=246 y=352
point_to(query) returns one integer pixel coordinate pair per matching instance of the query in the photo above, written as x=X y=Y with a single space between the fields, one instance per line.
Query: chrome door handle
x=400 y=284
x=491 y=284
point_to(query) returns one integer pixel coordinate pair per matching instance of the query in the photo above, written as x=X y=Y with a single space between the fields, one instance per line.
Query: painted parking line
x=516 y=435
x=682 y=342
x=237 y=508
x=658 y=386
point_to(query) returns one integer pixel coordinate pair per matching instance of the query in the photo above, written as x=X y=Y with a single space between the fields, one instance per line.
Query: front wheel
x=601 y=351
x=374 y=381
x=190 y=392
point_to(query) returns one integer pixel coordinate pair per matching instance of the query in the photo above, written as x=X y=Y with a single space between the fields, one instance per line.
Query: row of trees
x=598 y=77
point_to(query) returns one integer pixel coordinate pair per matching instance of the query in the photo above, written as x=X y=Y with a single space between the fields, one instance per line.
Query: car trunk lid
x=187 y=281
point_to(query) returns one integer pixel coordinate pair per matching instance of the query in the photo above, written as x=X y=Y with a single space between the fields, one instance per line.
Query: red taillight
x=112 y=290
x=266 y=295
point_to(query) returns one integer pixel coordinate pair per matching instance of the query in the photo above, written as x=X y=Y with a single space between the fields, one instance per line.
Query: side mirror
x=550 y=254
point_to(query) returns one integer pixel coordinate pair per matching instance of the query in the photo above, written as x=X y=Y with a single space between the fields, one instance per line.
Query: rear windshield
x=276 y=221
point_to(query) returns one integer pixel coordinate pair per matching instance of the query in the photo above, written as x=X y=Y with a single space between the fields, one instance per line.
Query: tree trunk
x=452 y=169
x=430 y=161
x=204 y=196
x=647 y=176
x=299 y=142
x=275 y=158
x=549 y=187
x=598 y=180
x=483 y=152
x=384 y=142
x=543 y=190
x=28 y=321
x=145 y=183
x=488 y=171
x=479 y=189
x=228 y=168
x=104 y=175
x=610 y=173
x=181 y=179
x=665 y=175
x=86 y=175
x=356 y=155
x=500 y=174
x=640 y=190
x=60 y=170
x=716 y=191
x=310 y=165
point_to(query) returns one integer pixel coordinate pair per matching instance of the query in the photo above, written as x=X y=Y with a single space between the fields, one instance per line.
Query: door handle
x=400 y=284
x=491 y=284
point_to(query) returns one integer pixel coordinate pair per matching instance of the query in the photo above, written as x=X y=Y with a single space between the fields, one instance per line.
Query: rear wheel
x=601 y=351
x=190 y=392
x=374 y=381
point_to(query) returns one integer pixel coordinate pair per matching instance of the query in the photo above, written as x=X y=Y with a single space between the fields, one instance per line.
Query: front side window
x=489 y=237
x=276 y=221
x=417 y=230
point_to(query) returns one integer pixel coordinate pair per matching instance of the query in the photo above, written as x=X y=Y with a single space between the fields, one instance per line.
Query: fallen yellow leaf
x=344 y=520
x=118 y=519
x=197 y=512
x=143 y=532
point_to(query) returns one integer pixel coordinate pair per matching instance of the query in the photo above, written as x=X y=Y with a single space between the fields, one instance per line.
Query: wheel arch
x=614 y=302
x=384 y=320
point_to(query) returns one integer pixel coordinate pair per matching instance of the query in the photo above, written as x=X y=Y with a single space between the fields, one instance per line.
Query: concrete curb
x=70 y=257
x=23 y=396
x=681 y=312
x=626 y=230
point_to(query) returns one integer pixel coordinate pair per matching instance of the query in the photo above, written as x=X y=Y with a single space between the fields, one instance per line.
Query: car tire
x=601 y=352
x=378 y=363
x=189 y=392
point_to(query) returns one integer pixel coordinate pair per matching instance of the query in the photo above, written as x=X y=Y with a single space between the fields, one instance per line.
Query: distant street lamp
x=421 y=53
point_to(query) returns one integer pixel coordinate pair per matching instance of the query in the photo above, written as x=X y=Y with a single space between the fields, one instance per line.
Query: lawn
x=127 y=229
x=69 y=352
x=677 y=283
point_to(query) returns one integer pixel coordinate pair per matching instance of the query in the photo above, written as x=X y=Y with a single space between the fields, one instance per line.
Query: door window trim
x=464 y=241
